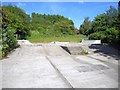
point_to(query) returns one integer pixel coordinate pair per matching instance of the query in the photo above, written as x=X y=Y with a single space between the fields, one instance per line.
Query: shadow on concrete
x=106 y=50
x=66 y=49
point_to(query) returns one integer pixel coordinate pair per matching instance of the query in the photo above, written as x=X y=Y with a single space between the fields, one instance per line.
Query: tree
x=85 y=27
x=111 y=14
x=16 y=18
x=117 y=19
x=14 y=21
x=51 y=25
x=104 y=21
x=99 y=23
x=98 y=35
x=117 y=24
x=110 y=35
x=106 y=26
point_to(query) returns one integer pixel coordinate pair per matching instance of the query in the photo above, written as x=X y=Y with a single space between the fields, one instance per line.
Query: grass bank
x=66 y=38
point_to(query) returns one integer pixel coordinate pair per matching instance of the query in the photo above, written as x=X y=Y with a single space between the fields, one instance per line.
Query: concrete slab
x=49 y=66
x=54 y=50
x=90 y=79
x=29 y=69
x=86 y=59
x=105 y=58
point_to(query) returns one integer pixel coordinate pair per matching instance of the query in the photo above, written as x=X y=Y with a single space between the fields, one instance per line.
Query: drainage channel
x=74 y=50
x=60 y=74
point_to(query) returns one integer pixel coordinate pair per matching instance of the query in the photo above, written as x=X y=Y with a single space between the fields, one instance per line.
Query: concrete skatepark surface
x=49 y=66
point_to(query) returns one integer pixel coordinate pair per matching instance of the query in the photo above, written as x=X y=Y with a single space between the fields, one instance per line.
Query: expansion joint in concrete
x=60 y=74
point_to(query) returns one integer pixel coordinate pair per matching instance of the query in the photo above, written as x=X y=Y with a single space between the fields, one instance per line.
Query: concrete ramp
x=82 y=74
x=54 y=50
x=28 y=67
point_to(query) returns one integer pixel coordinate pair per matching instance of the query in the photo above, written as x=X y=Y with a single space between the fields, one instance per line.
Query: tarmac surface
x=50 y=66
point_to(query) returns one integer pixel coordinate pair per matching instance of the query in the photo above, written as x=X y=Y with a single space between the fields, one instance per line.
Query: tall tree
x=111 y=15
x=104 y=26
x=85 y=27
x=16 y=18
x=118 y=18
x=99 y=23
x=119 y=9
x=118 y=22
x=51 y=25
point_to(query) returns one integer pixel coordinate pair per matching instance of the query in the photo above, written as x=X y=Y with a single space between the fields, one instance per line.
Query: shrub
x=84 y=52
x=8 y=41
x=98 y=35
x=110 y=35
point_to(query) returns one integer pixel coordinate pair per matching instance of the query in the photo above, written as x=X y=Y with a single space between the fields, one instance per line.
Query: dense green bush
x=98 y=35
x=110 y=35
x=8 y=41
x=51 y=25
x=14 y=22
x=105 y=27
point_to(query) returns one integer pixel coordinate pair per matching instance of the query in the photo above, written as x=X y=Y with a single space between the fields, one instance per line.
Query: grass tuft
x=84 y=53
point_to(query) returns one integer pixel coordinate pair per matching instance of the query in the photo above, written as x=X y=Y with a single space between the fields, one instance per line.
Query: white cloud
x=81 y=1
x=56 y=9
x=20 y=4
x=69 y=18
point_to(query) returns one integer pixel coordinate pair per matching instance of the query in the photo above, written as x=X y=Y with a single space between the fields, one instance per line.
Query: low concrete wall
x=91 y=42
x=24 y=42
